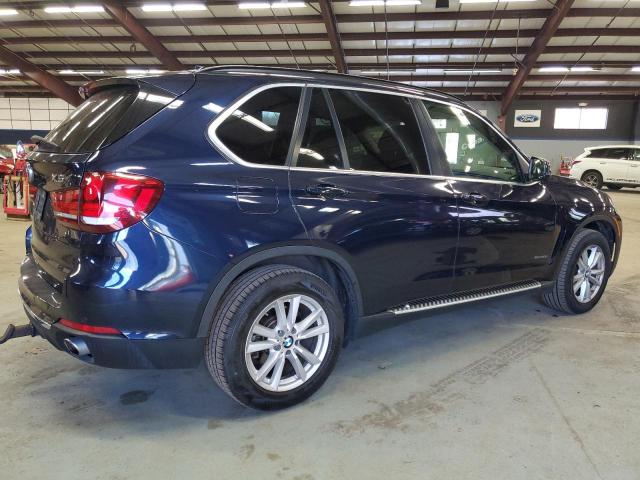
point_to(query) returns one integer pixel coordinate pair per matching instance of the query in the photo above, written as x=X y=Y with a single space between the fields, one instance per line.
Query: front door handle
x=326 y=190
x=475 y=198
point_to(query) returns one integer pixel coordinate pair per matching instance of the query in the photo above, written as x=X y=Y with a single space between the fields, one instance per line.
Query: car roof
x=326 y=78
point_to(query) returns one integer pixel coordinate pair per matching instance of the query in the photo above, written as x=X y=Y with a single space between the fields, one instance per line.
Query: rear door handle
x=475 y=198
x=326 y=190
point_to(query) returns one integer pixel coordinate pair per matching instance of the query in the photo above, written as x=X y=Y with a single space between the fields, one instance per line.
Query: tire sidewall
x=239 y=380
x=598 y=176
x=592 y=238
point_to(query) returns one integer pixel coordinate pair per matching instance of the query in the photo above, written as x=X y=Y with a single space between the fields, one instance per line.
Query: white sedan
x=615 y=166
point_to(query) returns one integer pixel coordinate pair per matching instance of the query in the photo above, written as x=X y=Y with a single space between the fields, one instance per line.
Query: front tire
x=583 y=274
x=275 y=338
x=592 y=178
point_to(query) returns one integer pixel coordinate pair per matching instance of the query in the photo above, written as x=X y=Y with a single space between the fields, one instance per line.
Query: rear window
x=105 y=117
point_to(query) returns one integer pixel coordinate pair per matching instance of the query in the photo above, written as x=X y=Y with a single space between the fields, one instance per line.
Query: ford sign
x=527 y=118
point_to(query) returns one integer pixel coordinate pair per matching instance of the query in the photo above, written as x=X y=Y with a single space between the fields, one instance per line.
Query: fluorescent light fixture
x=288 y=5
x=254 y=5
x=142 y=71
x=393 y=3
x=384 y=72
x=635 y=69
x=553 y=69
x=76 y=9
x=12 y=71
x=8 y=11
x=379 y=3
x=477 y=70
x=80 y=72
x=582 y=69
x=176 y=7
x=494 y=1
x=280 y=4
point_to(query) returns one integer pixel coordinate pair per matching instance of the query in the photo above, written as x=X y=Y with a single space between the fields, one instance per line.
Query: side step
x=441 y=301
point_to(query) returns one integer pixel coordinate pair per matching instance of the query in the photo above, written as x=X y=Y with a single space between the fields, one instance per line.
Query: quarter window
x=473 y=148
x=260 y=130
x=319 y=147
x=381 y=133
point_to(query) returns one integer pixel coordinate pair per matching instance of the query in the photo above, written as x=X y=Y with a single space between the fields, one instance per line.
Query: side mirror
x=539 y=168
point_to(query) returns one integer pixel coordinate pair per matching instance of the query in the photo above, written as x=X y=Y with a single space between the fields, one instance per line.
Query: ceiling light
x=384 y=72
x=176 y=7
x=12 y=71
x=494 y=1
x=394 y=3
x=635 y=69
x=142 y=71
x=280 y=4
x=81 y=72
x=366 y=3
x=76 y=9
x=8 y=11
x=553 y=69
x=582 y=69
x=288 y=5
x=477 y=70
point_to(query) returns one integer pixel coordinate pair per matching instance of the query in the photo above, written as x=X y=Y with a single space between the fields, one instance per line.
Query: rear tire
x=568 y=293
x=261 y=356
x=592 y=178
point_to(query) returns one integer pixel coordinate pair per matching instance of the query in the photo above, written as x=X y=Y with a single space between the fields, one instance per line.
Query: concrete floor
x=502 y=389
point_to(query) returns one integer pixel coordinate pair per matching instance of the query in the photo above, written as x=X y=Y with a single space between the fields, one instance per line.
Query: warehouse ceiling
x=470 y=48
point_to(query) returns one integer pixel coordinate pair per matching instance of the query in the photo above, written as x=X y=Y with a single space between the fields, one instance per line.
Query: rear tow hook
x=12 y=331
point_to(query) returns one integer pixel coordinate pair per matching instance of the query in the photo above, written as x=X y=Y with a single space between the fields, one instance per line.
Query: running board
x=441 y=301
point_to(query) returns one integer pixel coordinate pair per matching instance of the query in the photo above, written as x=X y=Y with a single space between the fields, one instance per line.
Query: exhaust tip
x=76 y=347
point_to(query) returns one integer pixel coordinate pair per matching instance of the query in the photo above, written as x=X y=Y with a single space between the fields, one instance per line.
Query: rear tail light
x=107 y=202
x=575 y=162
x=83 y=327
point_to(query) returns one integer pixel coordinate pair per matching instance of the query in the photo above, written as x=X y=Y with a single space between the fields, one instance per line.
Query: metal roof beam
x=329 y=19
x=539 y=46
x=43 y=78
x=142 y=35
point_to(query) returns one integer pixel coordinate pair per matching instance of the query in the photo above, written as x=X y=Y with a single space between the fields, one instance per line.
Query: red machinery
x=18 y=194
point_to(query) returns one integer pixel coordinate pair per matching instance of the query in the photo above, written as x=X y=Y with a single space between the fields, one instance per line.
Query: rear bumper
x=44 y=306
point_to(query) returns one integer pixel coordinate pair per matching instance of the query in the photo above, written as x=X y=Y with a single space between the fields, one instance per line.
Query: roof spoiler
x=95 y=86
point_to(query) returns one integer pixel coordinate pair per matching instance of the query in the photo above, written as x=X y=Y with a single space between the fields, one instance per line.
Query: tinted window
x=471 y=146
x=380 y=132
x=260 y=130
x=616 y=153
x=105 y=117
x=636 y=153
x=319 y=148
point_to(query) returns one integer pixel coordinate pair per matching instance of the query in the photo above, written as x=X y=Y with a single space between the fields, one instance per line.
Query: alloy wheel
x=287 y=343
x=591 y=179
x=589 y=273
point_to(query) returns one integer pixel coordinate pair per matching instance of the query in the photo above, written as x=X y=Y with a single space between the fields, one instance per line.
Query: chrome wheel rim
x=591 y=180
x=287 y=343
x=589 y=273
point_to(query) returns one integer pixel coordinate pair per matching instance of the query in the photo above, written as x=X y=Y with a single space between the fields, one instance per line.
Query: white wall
x=32 y=113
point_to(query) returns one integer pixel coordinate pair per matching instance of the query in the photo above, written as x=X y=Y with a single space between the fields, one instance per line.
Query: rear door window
x=380 y=132
x=616 y=153
x=319 y=147
x=105 y=117
x=260 y=131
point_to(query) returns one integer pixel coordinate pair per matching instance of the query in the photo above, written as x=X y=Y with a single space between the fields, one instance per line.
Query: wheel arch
x=600 y=223
x=327 y=263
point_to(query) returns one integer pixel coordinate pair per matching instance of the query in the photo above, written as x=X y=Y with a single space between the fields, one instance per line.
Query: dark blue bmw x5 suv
x=251 y=216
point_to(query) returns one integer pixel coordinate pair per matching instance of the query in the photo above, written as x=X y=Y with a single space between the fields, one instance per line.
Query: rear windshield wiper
x=41 y=142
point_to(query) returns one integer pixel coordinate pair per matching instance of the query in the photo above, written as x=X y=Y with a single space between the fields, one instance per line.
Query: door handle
x=326 y=190
x=475 y=198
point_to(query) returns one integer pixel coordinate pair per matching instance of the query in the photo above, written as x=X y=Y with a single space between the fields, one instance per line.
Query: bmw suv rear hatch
x=113 y=108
